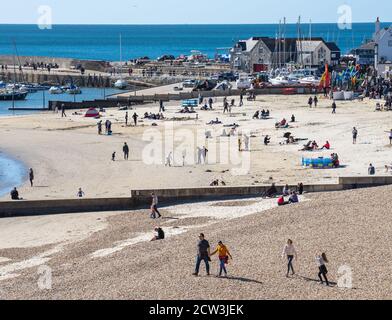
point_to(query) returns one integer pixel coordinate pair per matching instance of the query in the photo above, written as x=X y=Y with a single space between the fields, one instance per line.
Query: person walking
x=114 y=156
x=225 y=107
x=169 y=160
x=321 y=260
x=334 y=107
x=154 y=206
x=241 y=99
x=223 y=256
x=315 y=101
x=203 y=254
x=205 y=155
x=355 y=135
x=310 y=102
x=99 y=126
x=135 y=116
x=210 y=103
x=63 y=114
x=31 y=177
x=161 y=106
x=126 y=119
x=80 y=193
x=291 y=254
x=126 y=151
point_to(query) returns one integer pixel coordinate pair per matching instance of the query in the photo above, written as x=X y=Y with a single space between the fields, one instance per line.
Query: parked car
x=228 y=76
x=189 y=83
x=166 y=57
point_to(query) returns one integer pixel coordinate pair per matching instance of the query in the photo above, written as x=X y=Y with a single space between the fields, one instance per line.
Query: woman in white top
x=321 y=260
x=291 y=254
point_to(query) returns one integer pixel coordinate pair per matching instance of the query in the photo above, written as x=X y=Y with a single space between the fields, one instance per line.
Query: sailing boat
x=121 y=83
x=13 y=92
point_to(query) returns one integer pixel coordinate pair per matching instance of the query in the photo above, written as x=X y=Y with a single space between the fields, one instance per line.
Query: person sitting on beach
x=286 y=190
x=371 y=170
x=293 y=198
x=282 y=202
x=267 y=140
x=256 y=115
x=293 y=118
x=15 y=194
x=267 y=113
x=213 y=122
x=159 y=234
x=214 y=183
x=314 y=145
x=378 y=107
x=263 y=113
x=307 y=147
x=335 y=160
x=327 y=146
x=205 y=107
x=271 y=191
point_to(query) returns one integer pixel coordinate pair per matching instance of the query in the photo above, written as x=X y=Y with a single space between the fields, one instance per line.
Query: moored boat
x=9 y=95
x=56 y=90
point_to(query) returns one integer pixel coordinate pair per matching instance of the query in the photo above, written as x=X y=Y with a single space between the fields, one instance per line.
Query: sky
x=191 y=12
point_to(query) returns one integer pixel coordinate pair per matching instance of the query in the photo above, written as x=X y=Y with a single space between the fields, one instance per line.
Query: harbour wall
x=142 y=198
x=64 y=63
x=94 y=81
x=129 y=100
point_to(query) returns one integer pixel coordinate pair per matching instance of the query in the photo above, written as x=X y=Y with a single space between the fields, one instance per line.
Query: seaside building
x=263 y=53
x=377 y=51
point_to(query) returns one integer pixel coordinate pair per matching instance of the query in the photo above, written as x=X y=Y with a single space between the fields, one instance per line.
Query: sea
x=101 y=42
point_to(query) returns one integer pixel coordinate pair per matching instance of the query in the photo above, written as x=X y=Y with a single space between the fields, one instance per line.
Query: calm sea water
x=12 y=174
x=37 y=100
x=101 y=42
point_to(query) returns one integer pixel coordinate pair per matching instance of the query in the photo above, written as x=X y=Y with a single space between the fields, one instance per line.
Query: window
x=261 y=50
x=322 y=54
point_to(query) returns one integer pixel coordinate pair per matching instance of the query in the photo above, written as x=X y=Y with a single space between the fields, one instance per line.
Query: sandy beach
x=67 y=153
x=87 y=252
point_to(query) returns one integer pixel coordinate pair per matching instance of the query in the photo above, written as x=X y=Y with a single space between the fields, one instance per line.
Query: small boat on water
x=72 y=89
x=56 y=90
x=121 y=84
x=9 y=95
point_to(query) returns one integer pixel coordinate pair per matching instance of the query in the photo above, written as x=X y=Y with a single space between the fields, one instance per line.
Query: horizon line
x=182 y=24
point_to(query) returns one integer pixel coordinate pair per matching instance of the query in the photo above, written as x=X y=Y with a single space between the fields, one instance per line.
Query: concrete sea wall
x=142 y=198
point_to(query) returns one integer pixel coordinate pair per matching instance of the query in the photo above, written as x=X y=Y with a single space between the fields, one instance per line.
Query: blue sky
x=187 y=12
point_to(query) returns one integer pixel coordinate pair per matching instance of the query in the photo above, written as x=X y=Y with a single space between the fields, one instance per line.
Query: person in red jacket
x=281 y=201
x=326 y=146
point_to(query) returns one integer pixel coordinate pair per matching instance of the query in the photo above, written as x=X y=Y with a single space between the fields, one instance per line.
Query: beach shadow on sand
x=241 y=279
x=331 y=284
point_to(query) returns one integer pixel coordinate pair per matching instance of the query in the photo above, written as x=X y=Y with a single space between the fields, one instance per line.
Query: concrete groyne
x=142 y=198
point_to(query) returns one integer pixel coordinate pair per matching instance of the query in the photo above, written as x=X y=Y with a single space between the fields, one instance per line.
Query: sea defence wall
x=66 y=63
x=142 y=198
x=113 y=101
x=57 y=78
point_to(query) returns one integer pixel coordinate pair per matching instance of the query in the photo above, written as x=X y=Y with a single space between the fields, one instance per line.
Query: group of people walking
x=204 y=254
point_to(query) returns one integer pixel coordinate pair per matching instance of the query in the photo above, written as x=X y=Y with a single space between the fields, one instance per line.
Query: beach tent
x=92 y=113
